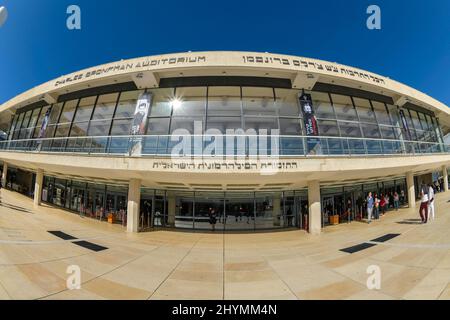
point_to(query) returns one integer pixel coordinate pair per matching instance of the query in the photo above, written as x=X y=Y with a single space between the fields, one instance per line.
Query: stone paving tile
x=194 y=265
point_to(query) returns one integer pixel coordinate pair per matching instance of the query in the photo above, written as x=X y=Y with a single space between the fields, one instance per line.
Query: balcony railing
x=228 y=145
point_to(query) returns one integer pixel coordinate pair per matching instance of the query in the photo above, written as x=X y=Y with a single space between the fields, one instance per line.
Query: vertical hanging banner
x=311 y=128
x=43 y=130
x=139 y=125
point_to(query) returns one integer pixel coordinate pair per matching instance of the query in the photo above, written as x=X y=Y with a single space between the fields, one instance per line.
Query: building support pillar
x=411 y=190
x=4 y=174
x=171 y=208
x=445 y=175
x=134 y=201
x=315 y=210
x=38 y=187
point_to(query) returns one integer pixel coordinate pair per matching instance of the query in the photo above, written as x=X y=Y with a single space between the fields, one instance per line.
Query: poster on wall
x=44 y=126
x=139 y=125
x=311 y=127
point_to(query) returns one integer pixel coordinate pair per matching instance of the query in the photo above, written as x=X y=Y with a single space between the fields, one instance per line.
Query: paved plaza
x=188 y=265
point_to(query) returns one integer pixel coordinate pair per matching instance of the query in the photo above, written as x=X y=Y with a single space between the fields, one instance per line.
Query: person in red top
x=383 y=205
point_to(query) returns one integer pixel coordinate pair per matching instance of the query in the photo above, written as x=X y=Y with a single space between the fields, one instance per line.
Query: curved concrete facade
x=302 y=171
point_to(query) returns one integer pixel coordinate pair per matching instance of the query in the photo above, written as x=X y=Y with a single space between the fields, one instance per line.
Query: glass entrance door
x=240 y=211
x=327 y=210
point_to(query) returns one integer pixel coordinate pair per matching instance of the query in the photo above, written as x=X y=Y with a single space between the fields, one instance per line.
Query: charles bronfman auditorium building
x=259 y=140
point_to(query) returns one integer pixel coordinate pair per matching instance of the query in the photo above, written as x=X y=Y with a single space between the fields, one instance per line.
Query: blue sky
x=413 y=46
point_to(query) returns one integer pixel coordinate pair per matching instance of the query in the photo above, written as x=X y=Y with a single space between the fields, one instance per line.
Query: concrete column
x=315 y=210
x=38 y=187
x=4 y=174
x=134 y=200
x=411 y=189
x=171 y=208
x=445 y=174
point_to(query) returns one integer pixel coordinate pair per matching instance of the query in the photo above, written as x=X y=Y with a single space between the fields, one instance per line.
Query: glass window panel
x=423 y=121
x=13 y=124
x=84 y=110
x=364 y=110
x=79 y=129
x=224 y=123
x=121 y=127
x=344 y=108
x=350 y=129
x=381 y=113
x=258 y=101
x=54 y=115
x=328 y=128
x=184 y=123
x=158 y=126
x=25 y=122
x=421 y=135
x=162 y=102
x=322 y=105
x=26 y=119
x=68 y=111
x=34 y=118
x=19 y=122
x=42 y=116
x=415 y=120
x=224 y=101
x=62 y=130
x=290 y=127
x=50 y=131
x=105 y=106
x=387 y=132
x=371 y=131
x=260 y=123
x=99 y=128
x=127 y=104
x=190 y=101
x=393 y=112
x=287 y=102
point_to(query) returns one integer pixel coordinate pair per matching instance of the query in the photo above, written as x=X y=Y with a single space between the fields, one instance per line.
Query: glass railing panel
x=356 y=146
x=98 y=145
x=374 y=147
x=335 y=146
x=291 y=146
x=119 y=145
x=388 y=147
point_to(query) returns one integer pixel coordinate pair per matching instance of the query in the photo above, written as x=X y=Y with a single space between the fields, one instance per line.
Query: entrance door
x=302 y=210
x=327 y=209
x=240 y=211
x=99 y=205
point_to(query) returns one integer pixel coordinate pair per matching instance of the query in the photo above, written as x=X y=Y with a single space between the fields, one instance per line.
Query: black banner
x=311 y=126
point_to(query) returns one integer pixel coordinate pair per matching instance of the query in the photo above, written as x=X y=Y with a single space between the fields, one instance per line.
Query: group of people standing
x=378 y=205
x=426 y=210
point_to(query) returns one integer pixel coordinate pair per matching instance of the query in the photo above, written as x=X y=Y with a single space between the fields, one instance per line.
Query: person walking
x=383 y=205
x=370 y=203
x=213 y=219
x=431 y=201
x=423 y=211
x=396 y=201
x=402 y=197
x=376 y=205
